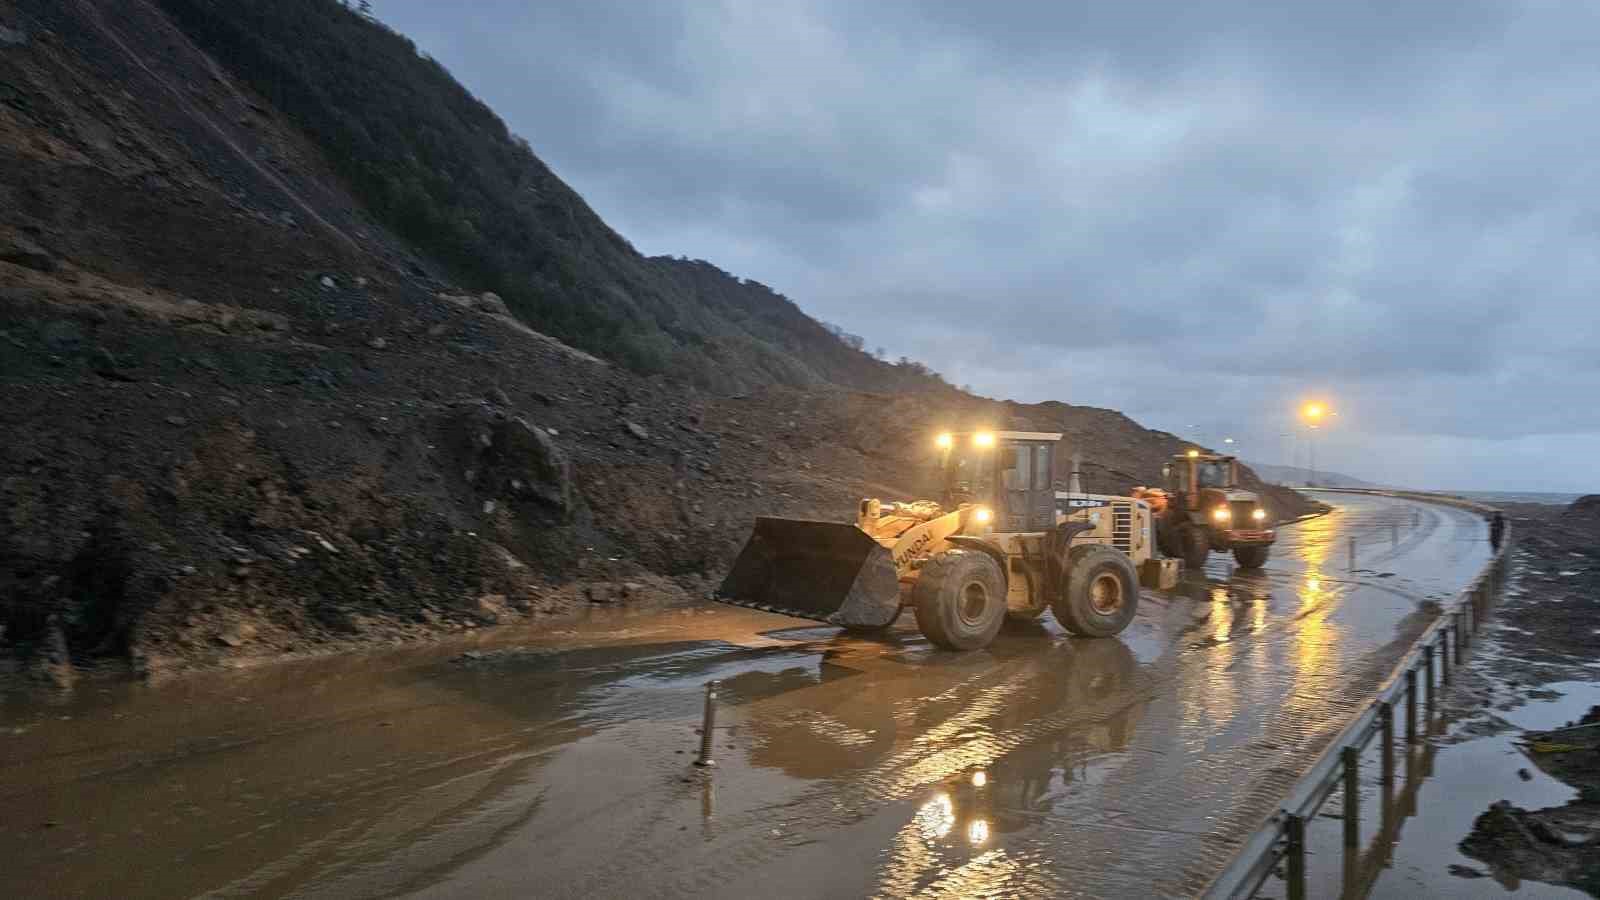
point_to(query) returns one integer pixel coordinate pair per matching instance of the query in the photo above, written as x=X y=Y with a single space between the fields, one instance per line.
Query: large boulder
x=509 y=457
x=490 y=302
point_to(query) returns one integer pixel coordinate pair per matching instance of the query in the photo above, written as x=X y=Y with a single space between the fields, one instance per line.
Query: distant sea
x=1518 y=497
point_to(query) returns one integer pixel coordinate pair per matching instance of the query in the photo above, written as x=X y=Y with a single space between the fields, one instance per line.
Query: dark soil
x=1545 y=631
x=243 y=421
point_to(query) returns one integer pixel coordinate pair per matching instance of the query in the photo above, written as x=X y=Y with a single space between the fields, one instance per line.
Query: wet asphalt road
x=561 y=767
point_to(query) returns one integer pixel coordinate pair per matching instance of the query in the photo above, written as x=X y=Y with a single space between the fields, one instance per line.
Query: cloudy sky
x=1199 y=214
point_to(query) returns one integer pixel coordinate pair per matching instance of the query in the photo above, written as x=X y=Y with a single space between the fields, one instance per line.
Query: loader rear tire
x=960 y=599
x=1102 y=592
x=1251 y=557
x=1196 y=546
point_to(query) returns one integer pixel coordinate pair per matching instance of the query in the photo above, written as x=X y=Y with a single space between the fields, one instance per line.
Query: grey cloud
x=1196 y=213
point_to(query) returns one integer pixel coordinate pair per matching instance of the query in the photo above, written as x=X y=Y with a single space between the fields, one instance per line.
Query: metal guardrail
x=1425 y=669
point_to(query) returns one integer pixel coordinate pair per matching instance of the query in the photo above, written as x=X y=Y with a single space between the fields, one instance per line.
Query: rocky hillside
x=244 y=419
x=439 y=169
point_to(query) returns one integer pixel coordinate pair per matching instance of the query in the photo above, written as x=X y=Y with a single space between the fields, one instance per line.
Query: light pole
x=1313 y=413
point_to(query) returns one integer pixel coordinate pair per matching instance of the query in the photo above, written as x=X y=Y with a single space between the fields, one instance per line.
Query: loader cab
x=1190 y=473
x=1010 y=472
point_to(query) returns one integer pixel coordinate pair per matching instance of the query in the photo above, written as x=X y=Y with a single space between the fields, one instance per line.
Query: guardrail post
x=1295 y=855
x=1444 y=654
x=1411 y=706
x=1461 y=634
x=708 y=727
x=1427 y=661
x=1352 y=796
x=1386 y=720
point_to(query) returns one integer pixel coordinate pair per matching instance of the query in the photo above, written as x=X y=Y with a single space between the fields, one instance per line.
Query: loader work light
x=1259 y=515
x=983 y=439
x=1193 y=453
x=1221 y=514
x=983 y=515
x=944 y=441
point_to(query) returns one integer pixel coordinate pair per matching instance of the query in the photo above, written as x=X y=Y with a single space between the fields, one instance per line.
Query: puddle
x=1577 y=698
x=1467 y=778
x=561 y=762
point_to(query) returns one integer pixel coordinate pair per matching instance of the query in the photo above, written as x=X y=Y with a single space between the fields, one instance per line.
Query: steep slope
x=239 y=422
x=440 y=169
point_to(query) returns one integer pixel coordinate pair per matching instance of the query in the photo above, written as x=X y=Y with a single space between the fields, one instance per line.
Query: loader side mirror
x=1166 y=471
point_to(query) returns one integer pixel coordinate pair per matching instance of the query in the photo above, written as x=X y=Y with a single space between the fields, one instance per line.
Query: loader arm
x=909 y=540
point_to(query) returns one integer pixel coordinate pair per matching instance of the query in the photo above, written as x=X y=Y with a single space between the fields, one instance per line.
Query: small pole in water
x=1394 y=533
x=709 y=726
x=1352 y=551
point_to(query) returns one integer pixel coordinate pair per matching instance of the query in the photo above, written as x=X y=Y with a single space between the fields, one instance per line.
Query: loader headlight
x=983 y=439
x=1221 y=514
x=944 y=440
x=1193 y=453
x=1260 y=515
x=983 y=515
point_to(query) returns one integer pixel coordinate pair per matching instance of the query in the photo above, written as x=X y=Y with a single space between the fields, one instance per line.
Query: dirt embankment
x=237 y=430
x=1547 y=630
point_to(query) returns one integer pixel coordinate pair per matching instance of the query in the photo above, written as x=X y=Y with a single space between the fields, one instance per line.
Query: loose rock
x=490 y=302
x=23 y=252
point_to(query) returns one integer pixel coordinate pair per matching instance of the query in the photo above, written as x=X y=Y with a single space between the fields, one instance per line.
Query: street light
x=1313 y=413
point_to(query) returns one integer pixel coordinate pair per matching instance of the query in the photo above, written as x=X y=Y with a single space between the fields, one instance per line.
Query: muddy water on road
x=846 y=767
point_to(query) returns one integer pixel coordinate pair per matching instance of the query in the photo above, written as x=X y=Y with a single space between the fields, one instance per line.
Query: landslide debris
x=244 y=419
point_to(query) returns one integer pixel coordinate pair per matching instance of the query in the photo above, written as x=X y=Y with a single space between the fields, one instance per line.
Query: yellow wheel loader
x=1000 y=541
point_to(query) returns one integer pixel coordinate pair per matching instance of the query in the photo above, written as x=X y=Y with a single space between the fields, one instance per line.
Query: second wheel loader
x=1203 y=508
x=999 y=542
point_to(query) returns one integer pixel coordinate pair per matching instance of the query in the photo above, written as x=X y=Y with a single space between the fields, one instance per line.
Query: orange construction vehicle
x=1203 y=508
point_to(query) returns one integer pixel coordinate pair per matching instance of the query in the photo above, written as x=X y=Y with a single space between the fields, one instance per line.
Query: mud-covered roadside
x=243 y=422
x=1540 y=646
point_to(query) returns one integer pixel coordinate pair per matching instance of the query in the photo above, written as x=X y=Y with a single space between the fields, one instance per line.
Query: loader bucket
x=826 y=571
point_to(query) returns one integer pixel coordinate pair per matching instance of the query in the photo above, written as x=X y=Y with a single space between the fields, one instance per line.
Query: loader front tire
x=960 y=599
x=1102 y=592
x=1196 y=546
x=1251 y=557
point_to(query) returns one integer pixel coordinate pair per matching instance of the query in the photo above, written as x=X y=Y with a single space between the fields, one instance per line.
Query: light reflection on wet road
x=846 y=767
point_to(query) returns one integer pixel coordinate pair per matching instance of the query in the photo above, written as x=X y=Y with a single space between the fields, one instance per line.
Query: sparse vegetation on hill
x=439 y=168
